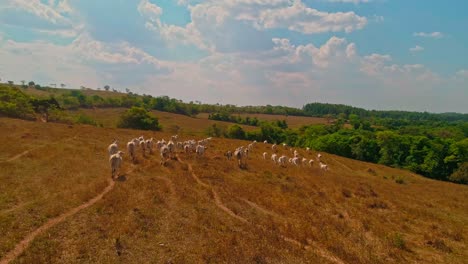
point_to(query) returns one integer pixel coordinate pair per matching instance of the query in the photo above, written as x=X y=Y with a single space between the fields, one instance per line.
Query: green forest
x=433 y=145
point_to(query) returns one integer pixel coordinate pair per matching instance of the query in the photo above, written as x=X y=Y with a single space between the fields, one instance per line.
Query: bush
x=215 y=131
x=15 y=103
x=460 y=175
x=235 y=131
x=397 y=241
x=84 y=119
x=138 y=118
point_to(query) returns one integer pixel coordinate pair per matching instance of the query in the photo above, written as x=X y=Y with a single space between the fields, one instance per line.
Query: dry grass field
x=207 y=210
x=292 y=121
x=173 y=123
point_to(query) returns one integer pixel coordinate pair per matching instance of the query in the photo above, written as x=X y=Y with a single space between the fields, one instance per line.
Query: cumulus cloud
x=299 y=17
x=415 y=49
x=150 y=11
x=85 y=61
x=244 y=60
x=434 y=35
x=40 y=15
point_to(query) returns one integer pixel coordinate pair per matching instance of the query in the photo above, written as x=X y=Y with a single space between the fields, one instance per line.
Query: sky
x=375 y=54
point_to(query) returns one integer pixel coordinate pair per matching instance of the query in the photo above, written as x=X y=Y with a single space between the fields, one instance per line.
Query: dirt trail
x=261 y=209
x=216 y=198
x=314 y=247
x=14 y=208
x=341 y=164
x=37 y=147
x=21 y=246
x=171 y=187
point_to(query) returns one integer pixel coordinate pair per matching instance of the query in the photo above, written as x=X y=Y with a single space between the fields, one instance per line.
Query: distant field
x=292 y=121
x=189 y=125
x=354 y=213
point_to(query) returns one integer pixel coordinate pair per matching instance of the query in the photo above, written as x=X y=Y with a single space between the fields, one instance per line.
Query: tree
x=62 y=85
x=235 y=131
x=10 y=82
x=138 y=118
x=107 y=87
x=23 y=82
x=460 y=175
x=31 y=83
x=127 y=90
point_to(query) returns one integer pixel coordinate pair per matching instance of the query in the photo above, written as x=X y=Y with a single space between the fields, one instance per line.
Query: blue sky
x=376 y=54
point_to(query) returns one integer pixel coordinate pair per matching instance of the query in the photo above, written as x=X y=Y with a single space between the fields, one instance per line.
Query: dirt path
x=341 y=164
x=216 y=198
x=314 y=247
x=37 y=147
x=14 y=208
x=21 y=246
x=261 y=209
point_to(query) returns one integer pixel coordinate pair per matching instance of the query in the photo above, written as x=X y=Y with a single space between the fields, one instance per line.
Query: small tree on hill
x=460 y=175
x=31 y=84
x=138 y=118
x=235 y=131
x=107 y=87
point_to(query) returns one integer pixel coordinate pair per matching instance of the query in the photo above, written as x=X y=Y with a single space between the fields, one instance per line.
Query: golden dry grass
x=354 y=213
x=171 y=123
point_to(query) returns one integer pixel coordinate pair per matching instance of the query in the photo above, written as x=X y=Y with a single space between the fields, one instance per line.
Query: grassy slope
x=162 y=214
x=188 y=125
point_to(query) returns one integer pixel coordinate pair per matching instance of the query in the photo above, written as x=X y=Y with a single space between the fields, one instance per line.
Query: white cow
x=164 y=152
x=265 y=155
x=282 y=160
x=241 y=157
x=274 y=158
x=131 y=149
x=115 y=161
x=323 y=166
x=149 y=145
x=200 y=150
x=113 y=148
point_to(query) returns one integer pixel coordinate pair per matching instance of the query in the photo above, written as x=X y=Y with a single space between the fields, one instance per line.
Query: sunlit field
x=207 y=210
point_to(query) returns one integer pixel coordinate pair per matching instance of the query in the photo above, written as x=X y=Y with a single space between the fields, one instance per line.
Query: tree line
x=438 y=151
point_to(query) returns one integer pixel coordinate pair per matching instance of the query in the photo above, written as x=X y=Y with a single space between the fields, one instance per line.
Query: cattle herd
x=167 y=150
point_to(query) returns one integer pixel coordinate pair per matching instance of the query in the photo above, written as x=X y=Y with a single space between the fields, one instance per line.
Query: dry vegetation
x=171 y=123
x=355 y=213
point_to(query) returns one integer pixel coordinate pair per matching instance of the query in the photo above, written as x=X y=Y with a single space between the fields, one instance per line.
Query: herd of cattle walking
x=167 y=150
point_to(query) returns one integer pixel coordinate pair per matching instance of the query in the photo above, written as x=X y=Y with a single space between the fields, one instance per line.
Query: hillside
x=207 y=210
x=170 y=122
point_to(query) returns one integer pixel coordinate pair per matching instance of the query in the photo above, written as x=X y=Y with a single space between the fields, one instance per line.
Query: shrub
x=399 y=180
x=460 y=175
x=235 y=131
x=138 y=118
x=84 y=119
x=15 y=103
x=397 y=241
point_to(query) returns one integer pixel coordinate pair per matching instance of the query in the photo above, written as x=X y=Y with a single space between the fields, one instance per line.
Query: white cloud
x=415 y=49
x=40 y=10
x=150 y=11
x=435 y=35
x=299 y=17
x=83 y=62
